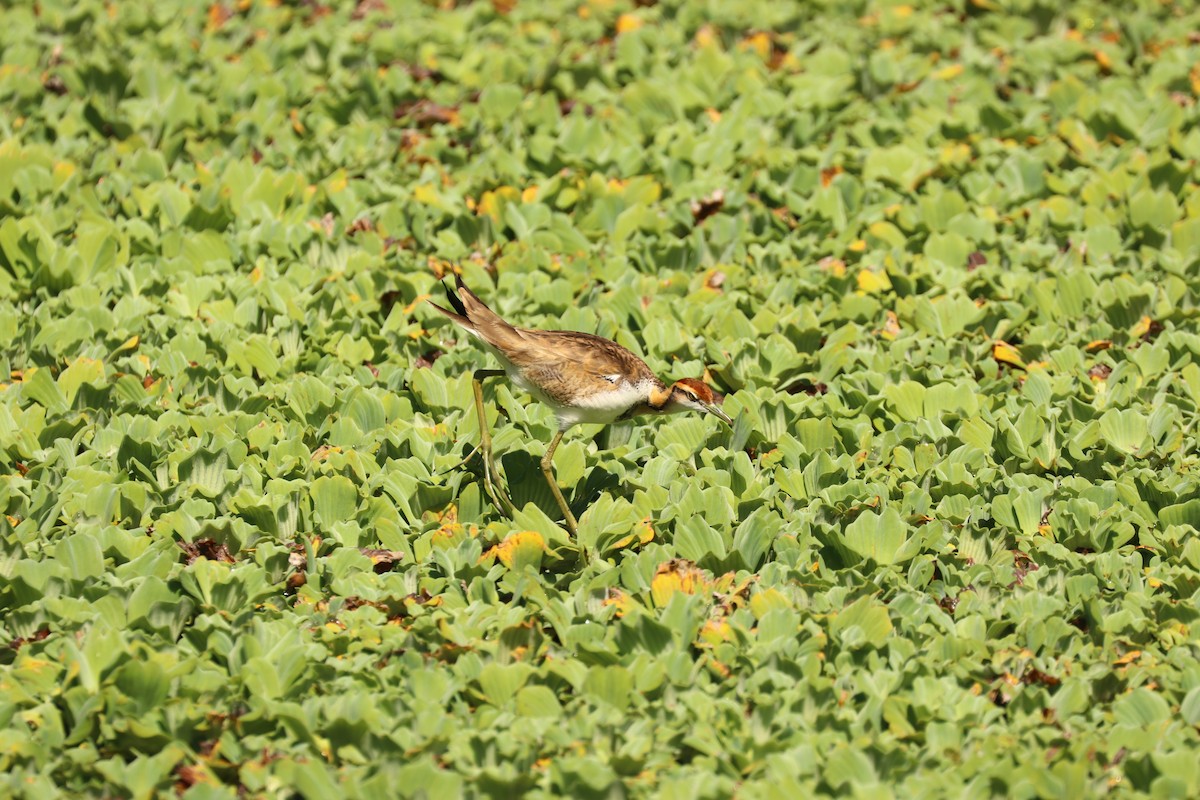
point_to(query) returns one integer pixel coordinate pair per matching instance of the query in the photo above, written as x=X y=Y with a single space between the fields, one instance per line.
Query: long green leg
x=490 y=473
x=548 y=471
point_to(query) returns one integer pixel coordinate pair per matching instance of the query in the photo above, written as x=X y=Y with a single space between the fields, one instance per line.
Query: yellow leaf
x=128 y=344
x=337 y=183
x=1098 y=345
x=834 y=266
x=767 y=600
x=529 y=194
x=643 y=534
x=759 y=43
x=628 y=22
x=857 y=246
x=891 y=326
x=425 y=194
x=716 y=631
x=492 y=202
x=1005 y=353
x=678 y=575
x=871 y=282
x=623 y=602
x=522 y=547
x=705 y=36
x=1128 y=658
x=1142 y=327
x=62 y=171
x=947 y=73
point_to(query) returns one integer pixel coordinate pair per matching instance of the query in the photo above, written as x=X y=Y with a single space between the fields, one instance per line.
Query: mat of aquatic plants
x=942 y=259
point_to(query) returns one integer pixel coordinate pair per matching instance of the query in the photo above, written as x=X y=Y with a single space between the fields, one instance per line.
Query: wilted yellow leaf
x=947 y=73
x=891 y=326
x=522 y=547
x=628 y=22
x=759 y=43
x=716 y=631
x=491 y=203
x=1128 y=658
x=834 y=266
x=705 y=36
x=1005 y=353
x=425 y=194
x=1142 y=327
x=678 y=575
x=767 y=600
x=622 y=601
x=871 y=282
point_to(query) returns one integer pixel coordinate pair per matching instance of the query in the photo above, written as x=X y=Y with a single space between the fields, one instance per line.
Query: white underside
x=597 y=409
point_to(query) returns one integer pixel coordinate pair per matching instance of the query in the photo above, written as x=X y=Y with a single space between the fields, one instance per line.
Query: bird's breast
x=598 y=408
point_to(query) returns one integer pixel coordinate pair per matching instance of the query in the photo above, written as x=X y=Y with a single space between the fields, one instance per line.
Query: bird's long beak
x=716 y=411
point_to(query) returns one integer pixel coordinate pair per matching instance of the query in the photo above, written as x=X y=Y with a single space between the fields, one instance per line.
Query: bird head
x=689 y=394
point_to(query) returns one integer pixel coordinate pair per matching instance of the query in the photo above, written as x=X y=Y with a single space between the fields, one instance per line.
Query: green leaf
x=335 y=499
x=612 y=685
x=878 y=537
x=864 y=622
x=500 y=683
x=1125 y=429
x=1141 y=707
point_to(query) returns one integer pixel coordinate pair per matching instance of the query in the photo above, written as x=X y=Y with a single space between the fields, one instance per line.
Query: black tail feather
x=453 y=298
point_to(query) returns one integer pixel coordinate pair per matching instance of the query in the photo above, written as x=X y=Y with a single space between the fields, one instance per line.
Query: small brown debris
x=705 y=207
x=425 y=113
x=975 y=261
x=55 y=85
x=715 y=280
x=426 y=360
x=365 y=7
x=187 y=776
x=807 y=387
x=1033 y=675
x=1022 y=563
x=206 y=548
x=360 y=225
x=1153 y=329
x=1099 y=372
x=19 y=642
x=383 y=560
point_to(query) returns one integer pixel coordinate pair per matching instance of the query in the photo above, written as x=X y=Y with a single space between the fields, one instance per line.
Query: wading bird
x=583 y=378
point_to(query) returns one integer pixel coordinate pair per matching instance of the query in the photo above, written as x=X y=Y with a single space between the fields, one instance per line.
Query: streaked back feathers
x=587 y=378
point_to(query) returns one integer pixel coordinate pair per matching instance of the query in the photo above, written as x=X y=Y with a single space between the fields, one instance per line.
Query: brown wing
x=567 y=363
